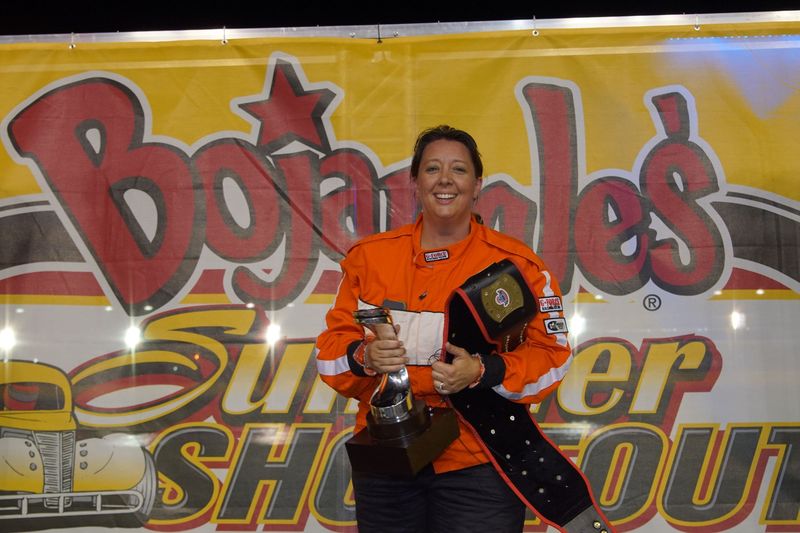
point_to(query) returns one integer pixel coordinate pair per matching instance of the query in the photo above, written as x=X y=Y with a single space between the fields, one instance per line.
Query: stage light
x=7 y=339
x=273 y=333
x=133 y=336
x=577 y=324
x=737 y=320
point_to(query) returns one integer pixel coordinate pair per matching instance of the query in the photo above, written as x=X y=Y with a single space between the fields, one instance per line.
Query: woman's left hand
x=460 y=373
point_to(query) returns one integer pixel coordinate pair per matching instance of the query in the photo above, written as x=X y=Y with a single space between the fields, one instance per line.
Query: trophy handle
x=392 y=400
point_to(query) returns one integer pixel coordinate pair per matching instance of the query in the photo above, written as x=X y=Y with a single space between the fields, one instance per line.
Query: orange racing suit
x=391 y=270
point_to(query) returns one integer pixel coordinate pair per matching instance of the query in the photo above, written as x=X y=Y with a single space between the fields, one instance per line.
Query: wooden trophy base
x=408 y=453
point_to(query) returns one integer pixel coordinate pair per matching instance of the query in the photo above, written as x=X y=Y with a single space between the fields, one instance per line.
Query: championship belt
x=489 y=313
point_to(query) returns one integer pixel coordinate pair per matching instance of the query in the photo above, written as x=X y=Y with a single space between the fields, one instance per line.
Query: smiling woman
x=447 y=174
x=413 y=272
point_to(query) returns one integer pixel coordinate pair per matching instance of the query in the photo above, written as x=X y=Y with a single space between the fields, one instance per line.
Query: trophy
x=403 y=434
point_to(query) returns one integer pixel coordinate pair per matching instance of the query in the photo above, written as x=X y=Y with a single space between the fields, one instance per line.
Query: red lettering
x=401 y=206
x=354 y=202
x=272 y=215
x=258 y=236
x=102 y=156
x=553 y=115
x=508 y=210
x=675 y=174
x=609 y=214
x=300 y=186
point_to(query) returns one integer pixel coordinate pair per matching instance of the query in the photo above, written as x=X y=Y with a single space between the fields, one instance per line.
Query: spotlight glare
x=7 y=339
x=273 y=333
x=577 y=324
x=133 y=336
x=737 y=320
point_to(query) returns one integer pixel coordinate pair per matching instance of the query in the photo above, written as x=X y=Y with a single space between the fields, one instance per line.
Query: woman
x=413 y=270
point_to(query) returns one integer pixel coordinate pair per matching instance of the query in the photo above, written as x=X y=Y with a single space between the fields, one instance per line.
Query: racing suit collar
x=448 y=254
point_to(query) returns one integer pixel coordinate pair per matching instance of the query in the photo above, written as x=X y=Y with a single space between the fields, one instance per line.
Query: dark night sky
x=20 y=17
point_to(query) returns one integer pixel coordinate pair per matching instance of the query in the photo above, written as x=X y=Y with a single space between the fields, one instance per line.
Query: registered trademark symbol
x=651 y=302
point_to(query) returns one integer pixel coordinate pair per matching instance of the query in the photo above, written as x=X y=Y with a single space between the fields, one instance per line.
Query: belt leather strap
x=489 y=313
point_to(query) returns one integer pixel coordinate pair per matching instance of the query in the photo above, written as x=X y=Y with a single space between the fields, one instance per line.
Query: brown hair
x=448 y=133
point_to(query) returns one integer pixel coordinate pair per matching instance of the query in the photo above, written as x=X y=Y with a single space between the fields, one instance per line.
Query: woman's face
x=446 y=183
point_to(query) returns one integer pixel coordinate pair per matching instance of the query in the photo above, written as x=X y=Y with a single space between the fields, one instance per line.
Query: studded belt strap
x=489 y=313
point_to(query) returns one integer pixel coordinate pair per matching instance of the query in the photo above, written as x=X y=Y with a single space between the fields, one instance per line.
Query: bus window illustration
x=45 y=471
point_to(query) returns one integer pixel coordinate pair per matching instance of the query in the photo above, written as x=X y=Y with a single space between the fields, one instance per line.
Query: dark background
x=20 y=17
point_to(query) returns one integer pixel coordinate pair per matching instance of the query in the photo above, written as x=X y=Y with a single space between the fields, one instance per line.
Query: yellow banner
x=172 y=214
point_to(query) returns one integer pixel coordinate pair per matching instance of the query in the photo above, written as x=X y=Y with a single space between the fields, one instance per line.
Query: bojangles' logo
x=270 y=203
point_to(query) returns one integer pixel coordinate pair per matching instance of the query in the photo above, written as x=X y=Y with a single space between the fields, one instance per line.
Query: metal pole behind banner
x=390 y=31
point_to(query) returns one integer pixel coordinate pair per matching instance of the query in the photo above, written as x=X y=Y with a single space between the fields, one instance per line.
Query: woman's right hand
x=385 y=355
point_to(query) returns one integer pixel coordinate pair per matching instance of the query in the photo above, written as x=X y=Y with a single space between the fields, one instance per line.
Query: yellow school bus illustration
x=45 y=471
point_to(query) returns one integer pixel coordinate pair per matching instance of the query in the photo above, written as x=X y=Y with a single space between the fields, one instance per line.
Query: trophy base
x=406 y=455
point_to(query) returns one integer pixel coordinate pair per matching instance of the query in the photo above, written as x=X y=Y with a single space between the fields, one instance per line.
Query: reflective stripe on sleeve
x=334 y=367
x=532 y=389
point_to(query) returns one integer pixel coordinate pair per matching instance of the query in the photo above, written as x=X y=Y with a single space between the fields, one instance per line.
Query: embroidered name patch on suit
x=439 y=255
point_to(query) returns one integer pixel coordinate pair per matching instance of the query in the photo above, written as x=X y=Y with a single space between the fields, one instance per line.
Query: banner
x=172 y=215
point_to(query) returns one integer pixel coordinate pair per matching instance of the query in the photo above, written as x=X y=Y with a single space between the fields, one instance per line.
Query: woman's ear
x=477 y=189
